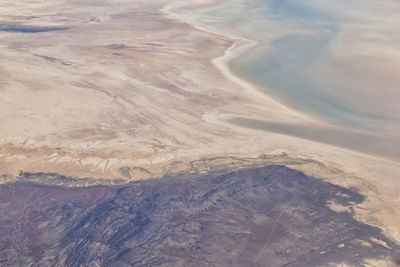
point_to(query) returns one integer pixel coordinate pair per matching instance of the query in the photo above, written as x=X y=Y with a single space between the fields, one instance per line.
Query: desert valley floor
x=122 y=143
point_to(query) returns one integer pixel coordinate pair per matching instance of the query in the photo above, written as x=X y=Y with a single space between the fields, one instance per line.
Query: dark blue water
x=26 y=29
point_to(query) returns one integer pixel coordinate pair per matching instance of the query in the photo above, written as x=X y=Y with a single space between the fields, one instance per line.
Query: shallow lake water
x=336 y=60
x=28 y=29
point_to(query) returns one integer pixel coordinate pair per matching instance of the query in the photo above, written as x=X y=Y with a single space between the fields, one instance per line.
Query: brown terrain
x=123 y=90
x=267 y=216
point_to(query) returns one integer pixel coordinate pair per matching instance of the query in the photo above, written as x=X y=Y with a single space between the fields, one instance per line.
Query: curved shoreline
x=149 y=106
x=370 y=174
x=240 y=46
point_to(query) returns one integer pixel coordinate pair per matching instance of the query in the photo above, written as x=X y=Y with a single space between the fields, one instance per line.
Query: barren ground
x=122 y=90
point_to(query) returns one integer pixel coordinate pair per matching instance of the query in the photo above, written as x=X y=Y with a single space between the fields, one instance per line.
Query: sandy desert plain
x=113 y=91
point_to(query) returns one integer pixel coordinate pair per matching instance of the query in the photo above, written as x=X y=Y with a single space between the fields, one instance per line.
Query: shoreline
x=240 y=46
x=151 y=106
x=357 y=169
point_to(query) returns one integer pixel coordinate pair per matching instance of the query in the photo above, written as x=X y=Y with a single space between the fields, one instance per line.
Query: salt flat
x=135 y=90
x=118 y=85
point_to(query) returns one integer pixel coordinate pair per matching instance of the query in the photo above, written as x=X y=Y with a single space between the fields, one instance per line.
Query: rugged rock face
x=268 y=216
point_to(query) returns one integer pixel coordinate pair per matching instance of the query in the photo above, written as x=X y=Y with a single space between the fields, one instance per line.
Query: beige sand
x=133 y=90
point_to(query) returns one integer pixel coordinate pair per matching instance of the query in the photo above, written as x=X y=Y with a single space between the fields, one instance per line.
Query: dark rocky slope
x=268 y=216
